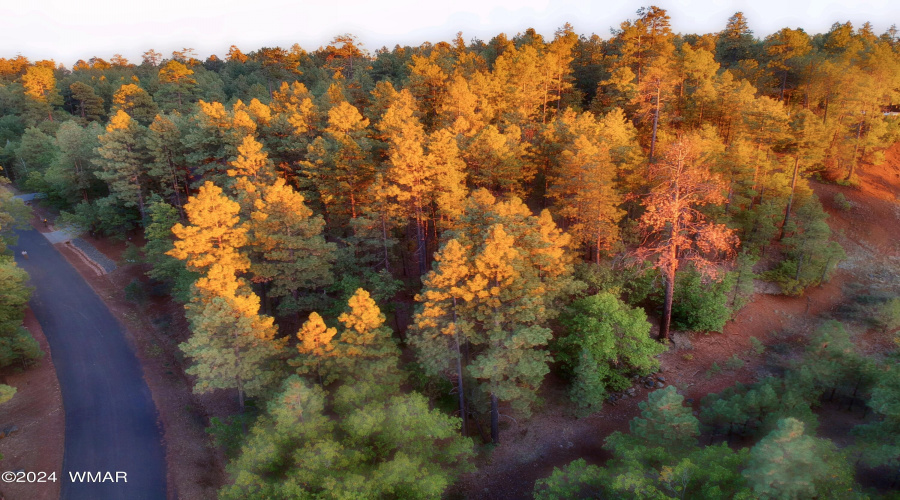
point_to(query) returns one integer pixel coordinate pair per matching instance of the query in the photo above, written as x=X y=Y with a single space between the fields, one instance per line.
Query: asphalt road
x=111 y=420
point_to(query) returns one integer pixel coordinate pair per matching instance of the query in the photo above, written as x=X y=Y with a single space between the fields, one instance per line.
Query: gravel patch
x=95 y=255
x=60 y=236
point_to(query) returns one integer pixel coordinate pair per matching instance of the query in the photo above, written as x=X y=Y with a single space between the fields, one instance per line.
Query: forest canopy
x=356 y=235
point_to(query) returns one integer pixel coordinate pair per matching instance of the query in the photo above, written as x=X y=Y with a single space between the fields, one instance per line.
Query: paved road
x=111 y=421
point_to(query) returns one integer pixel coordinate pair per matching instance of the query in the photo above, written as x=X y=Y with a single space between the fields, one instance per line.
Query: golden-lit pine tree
x=513 y=267
x=409 y=174
x=316 y=348
x=294 y=256
x=40 y=89
x=448 y=193
x=177 y=86
x=250 y=171
x=459 y=111
x=440 y=330
x=213 y=242
x=231 y=345
x=498 y=160
x=585 y=194
x=365 y=354
x=507 y=303
x=135 y=101
x=339 y=164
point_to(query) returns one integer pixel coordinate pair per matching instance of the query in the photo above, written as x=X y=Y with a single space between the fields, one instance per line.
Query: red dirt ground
x=531 y=449
x=37 y=411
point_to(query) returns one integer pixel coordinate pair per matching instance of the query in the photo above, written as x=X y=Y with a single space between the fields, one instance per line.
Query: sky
x=68 y=30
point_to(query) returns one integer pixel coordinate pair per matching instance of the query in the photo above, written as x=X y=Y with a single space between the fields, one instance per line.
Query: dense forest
x=383 y=256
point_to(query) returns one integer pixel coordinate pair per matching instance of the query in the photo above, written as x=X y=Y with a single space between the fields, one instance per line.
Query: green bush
x=734 y=363
x=607 y=339
x=841 y=202
x=757 y=346
x=229 y=433
x=132 y=254
x=701 y=306
x=17 y=345
x=135 y=292
x=887 y=314
x=810 y=258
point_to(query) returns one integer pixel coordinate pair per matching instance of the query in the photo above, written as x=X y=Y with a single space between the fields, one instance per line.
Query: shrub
x=887 y=314
x=757 y=346
x=734 y=363
x=135 y=292
x=132 y=254
x=842 y=203
x=714 y=370
x=700 y=306
x=606 y=340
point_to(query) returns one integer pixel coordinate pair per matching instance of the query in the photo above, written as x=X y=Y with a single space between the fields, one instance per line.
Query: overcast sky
x=68 y=30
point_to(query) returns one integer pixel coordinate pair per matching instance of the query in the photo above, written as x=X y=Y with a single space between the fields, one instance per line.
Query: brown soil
x=195 y=468
x=531 y=449
x=37 y=411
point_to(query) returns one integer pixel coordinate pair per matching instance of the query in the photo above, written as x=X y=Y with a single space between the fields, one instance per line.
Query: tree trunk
x=855 y=152
x=495 y=419
x=387 y=260
x=655 y=123
x=459 y=374
x=422 y=250
x=787 y=213
x=666 y=319
x=783 y=85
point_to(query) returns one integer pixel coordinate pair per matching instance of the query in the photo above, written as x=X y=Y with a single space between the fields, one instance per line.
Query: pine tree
x=72 y=174
x=122 y=157
x=676 y=231
x=316 y=348
x=736 y=42
x=168 y=168
x=409 y=176
x=249 y=172
x=135 y=101
x=606 y=340
x=498 y=160
x=40 y=88
x=515 y=265
x=231 y=345
x=365 y=353
x=440 y=333
x=212 y=244
x=510 y=368
x=393 y=447
x=584 y=191
x=666 y=422
x=89 y=106
x=212 y=137
x=163 y=267
x=295 y=258
x=789 y=464
x=340 y=165
x=176 y=86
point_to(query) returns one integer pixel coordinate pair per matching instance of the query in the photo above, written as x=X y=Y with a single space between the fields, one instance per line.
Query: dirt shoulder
x=37 y=411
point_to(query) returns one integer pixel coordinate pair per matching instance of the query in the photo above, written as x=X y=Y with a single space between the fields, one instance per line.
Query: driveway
x=111 y=420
